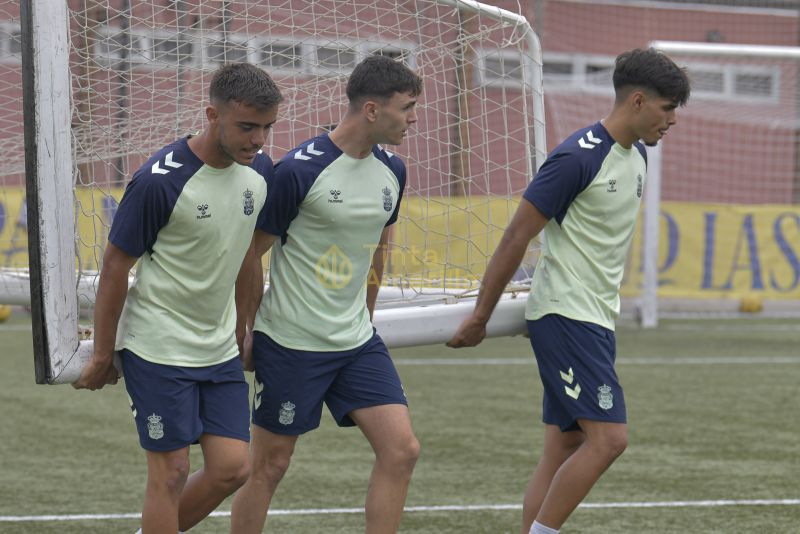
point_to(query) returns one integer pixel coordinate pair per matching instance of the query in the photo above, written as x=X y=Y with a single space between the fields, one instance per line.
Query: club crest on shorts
x=604 y=397
x=286 y=416
x=387 y=199
x=155 y=428
x=248 y=202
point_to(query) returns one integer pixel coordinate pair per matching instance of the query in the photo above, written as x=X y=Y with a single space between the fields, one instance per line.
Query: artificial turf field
x=714 y=416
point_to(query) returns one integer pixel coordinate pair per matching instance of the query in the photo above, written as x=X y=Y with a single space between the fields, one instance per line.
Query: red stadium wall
x=739 y=144
x=720 y=151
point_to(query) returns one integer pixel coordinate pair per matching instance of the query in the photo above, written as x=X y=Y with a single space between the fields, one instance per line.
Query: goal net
x=133 y=76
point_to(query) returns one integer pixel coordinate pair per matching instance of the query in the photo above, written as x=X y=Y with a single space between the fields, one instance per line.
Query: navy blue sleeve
x=399 y=170
x=285 y=193
x=263 y=166
x=560 y=179
x=144 y=209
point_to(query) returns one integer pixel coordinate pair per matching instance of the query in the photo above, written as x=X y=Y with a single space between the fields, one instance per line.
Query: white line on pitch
x=701 y=326
x=705 y=360
x=665 y=360
x=441 y=508
x=465 y=361
x=692 y=504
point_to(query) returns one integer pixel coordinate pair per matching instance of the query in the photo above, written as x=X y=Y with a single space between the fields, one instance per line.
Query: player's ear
x=370 y=110
x=638 y=99
x=212 y=113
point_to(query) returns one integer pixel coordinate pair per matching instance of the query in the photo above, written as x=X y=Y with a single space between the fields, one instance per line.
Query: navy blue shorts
x=173 y=406
x=576 y=364
x=291 y=385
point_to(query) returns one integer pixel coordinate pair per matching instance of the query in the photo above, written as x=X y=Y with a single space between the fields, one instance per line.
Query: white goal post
x=699 y=56
x=108 y=82
x=48 y=164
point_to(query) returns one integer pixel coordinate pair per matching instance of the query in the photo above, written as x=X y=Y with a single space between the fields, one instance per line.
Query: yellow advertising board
x=94 y=210
x=724 y=250
x=706 y=250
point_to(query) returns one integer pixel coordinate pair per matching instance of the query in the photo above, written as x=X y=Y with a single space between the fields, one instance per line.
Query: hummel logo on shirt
x=203 y=209
x=309 y=149
x=612 y=186
x=335 y=194
x=168 y=162
x=590 y=142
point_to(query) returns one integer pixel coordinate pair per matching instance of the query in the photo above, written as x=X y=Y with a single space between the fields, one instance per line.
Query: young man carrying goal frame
x=187 y=217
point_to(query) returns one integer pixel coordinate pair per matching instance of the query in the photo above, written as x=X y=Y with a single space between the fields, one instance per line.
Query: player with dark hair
x=330 y=207
x=585 y=198
x=188 y=217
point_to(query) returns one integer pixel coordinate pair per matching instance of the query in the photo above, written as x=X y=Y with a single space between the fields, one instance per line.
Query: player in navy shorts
x=186 y=221
x=576 y=364
x=585 y=199
x=333 y=200
x=345 y=380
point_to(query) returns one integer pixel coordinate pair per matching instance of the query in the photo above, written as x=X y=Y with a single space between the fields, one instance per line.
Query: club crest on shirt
x=286 y=416
x=248 y=202
x=604 y=397
x=387 y=199
x=639 y=181
x=155 y=428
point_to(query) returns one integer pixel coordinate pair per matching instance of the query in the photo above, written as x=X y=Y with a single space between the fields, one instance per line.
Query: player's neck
x=207 y=152
x=617 y=127
x=352 y=138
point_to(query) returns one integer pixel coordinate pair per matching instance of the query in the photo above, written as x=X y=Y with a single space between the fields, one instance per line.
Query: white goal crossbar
x=685 y=48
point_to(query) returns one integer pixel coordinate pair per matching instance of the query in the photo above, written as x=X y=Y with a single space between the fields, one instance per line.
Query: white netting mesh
x=13 y=218
x=140 y=73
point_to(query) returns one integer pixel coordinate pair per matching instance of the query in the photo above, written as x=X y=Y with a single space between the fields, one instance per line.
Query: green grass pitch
x=713 y=414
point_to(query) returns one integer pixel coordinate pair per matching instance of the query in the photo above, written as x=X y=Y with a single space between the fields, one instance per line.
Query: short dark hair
x=652 y=70
x=244 y=83
x=380 y=77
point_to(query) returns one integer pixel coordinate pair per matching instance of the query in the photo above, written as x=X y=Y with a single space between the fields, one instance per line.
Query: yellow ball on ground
x=5 y=312
x=751 y=304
